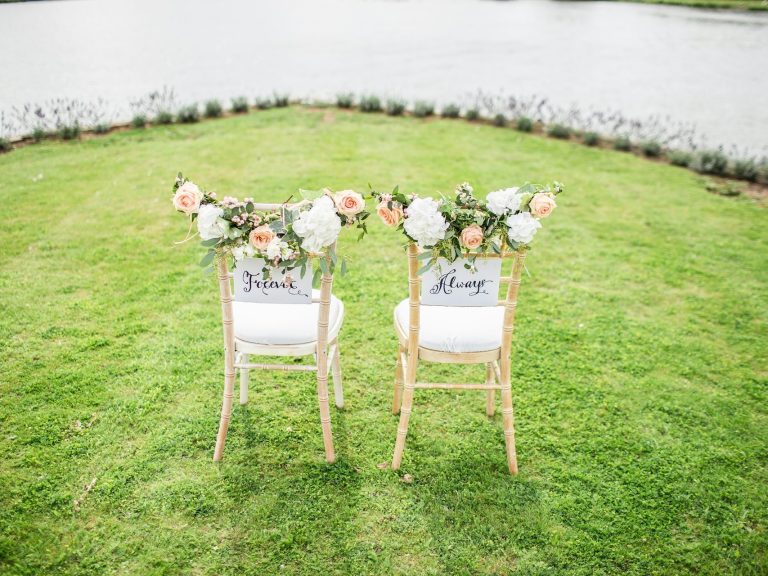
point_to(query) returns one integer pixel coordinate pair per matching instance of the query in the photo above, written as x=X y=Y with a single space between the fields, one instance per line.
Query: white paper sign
x=453 y=285
x=250 y=285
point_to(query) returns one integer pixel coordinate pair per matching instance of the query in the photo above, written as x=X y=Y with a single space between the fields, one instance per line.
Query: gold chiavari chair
x=277 y=329
x=457 y=335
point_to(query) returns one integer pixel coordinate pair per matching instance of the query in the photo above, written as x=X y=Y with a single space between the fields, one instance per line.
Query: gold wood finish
x=234 y=346
x=497 y=361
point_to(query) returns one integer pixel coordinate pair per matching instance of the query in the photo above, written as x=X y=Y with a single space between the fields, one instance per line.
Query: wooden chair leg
x=490 y=401
x=338 y=390
x=226 y=408
x=405 y=413
x=322 y=398
x=245 y=376
x=398 y=393
x=509 y=422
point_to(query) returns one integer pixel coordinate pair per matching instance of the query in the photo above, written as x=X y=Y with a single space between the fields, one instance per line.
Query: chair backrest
x=482 y=290
x=226 y=289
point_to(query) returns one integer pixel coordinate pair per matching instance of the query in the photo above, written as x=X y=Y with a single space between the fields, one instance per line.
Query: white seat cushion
x=284 y=324
x=455 y=328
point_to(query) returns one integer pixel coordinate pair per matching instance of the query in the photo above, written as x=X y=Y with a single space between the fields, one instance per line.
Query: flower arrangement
x=465 y=226
x=286 y=238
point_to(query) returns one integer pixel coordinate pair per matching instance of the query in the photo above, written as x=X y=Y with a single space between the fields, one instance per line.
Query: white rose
x=522 y=227
x=210 y=223
x=502 y=201
x=424 y=223
x=319 y=226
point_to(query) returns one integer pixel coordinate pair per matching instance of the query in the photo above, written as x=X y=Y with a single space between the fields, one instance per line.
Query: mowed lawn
x=639 y=369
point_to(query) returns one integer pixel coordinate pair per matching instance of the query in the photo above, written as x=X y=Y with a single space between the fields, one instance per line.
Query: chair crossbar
x=284 y=367
x=449 y=386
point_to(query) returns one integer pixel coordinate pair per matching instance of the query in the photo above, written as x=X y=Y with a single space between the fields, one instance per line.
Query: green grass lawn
x=639 y=369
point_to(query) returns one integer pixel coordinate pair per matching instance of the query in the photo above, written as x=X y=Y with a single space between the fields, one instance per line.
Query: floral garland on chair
x=286 y=238
x=465 y=226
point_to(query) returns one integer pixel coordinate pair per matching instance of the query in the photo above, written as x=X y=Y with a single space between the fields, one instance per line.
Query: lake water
x=702 y=67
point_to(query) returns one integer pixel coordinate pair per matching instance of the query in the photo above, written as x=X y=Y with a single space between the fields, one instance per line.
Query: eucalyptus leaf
x=425 y=268
x=310 y=194
x=207 y=259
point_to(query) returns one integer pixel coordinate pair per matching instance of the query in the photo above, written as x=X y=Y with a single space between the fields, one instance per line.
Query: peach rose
x=261 y=237
x=349 y=202
x=390 y=216
x=187 y=198
x=471 y=237
x=542 y=205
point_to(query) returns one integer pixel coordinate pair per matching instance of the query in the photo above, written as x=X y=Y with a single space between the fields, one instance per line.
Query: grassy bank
x=718 y=4
x=639 y=370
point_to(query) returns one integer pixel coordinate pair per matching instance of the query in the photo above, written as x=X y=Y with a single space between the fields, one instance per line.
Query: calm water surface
x=702 y=67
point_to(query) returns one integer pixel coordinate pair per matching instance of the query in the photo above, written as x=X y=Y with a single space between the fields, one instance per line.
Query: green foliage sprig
x=473 y=227
x=238 y=229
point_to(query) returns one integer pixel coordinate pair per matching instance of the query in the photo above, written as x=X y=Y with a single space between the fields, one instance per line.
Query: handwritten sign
x=454 y=285
x=250 y=285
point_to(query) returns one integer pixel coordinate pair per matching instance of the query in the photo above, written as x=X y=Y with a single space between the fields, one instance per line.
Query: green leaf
x=207 y=259
x=310 y=194
x=425 y=268
x=343 y=266
x=323 y=265
x=424 y=256
x=316 y=277
x=527 y=188
x=399 y=197
x=276 y=226
x=210 y=243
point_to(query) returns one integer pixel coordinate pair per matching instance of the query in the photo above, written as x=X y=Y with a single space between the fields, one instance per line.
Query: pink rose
x=349 y=202
x=390 y=216
x=187 y=198
x=542 y=205
x=471 y=237
x=261 y=237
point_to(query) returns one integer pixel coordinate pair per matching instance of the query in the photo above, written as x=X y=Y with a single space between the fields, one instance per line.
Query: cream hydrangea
x=210 y=223
x=502 y=201
x=522 y=227
x=424 y=223
x=319 y=226
x=243 y=251
x=278 y=249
